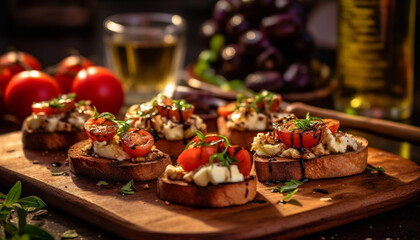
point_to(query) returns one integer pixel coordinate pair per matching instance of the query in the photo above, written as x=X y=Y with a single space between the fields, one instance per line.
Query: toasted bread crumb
x=146 y=186
x=325 y=199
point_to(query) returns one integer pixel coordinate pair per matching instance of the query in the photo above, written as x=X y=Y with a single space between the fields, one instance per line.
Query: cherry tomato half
x=27 y=87
x=167 y=108
x=225 y=111
x=68 y=69
x=209 y=139
x=243 y=157
x=297 y=138
x=101 y=129
x=54 y=106
x=192 y=158
x=332 y=124
x=99 y=85
x=137 y=143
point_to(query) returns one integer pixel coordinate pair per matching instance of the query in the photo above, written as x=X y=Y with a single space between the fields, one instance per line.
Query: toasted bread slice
x=222 y=195
x=50 y=140
x=107 y=169
x=236 y=137
x=329 y=166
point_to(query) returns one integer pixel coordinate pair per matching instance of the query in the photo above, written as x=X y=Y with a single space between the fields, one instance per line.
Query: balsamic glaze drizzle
x=270 y=169
x=315 y=190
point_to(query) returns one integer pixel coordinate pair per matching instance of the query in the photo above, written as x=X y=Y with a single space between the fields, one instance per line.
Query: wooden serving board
x=143 y=215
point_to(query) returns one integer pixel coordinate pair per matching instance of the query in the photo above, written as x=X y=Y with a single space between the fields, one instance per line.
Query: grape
x=253 y=42
x=208 y=29
x=222 y=12
x=275 y=6
x=268 y=80
x=234 y=63
x=281 y=26
x=270 y=59
x=236 y=26
x=296 y=76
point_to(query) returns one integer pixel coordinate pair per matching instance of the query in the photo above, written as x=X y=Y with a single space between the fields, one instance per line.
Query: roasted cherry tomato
x=62 y=104
x=332 y=124
x=68 y=69
x=271 y=104
x=243 y=157
x=209 y=139
x=192 y=158
x=225 y=111
x=292 y=136
x=18 y=61
x=178 y=109
x=101 y=129
x=137 y=143
x=28 y=87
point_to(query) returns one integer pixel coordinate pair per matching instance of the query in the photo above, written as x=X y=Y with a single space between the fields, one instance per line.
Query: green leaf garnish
x=60 y=173
x=69 y=234
x=129 y=188
x=181 y=104
x=290 y=187
x=102 y=183
x=378 y=168
x=2 y=195
x=13 y=195
x=306 y=123
x=123 y=126
x=31 y=203
x=290 y=195
x=37 y=233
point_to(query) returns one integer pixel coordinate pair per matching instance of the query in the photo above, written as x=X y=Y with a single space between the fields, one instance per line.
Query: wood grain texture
x=143 y=215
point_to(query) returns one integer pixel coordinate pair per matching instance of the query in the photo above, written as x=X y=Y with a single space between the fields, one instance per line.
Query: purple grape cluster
x=263 y=43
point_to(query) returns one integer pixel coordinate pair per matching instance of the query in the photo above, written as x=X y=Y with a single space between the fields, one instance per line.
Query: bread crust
x=236 y=137
x=50 y=140
x=113 y=170
x=222 y=195
x=329 y=166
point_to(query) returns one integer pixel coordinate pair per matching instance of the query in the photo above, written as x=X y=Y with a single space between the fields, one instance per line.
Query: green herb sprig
x=306 y=123
x=378 y=168
x=290 y=188
x=129 y=188
x=21 y=206
x=123 y=126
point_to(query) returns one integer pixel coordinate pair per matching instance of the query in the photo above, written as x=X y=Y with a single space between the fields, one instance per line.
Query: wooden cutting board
x=143 y=215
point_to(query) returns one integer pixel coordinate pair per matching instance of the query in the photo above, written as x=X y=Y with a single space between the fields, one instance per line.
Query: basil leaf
x=129 y=188
x=290 y=195
x=69 y=234
x=31 y=203
x=200 y=135
x=2 y=195
x=37 y=233
x=96 y=114
x=378 y=168
x=4 y=212
x=22 y=218
x=13 y=195
x=102 y=183
x=123 y=126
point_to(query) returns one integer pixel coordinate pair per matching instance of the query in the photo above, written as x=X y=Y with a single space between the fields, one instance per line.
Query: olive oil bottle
x=375 y=58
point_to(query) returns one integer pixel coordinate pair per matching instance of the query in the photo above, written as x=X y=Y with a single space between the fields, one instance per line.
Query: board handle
x=388 y=128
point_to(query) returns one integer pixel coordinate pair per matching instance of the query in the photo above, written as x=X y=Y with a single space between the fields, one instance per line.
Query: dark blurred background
x=48 y=29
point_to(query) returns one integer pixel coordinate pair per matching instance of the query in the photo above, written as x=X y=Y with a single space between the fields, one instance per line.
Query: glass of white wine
x=146 y=51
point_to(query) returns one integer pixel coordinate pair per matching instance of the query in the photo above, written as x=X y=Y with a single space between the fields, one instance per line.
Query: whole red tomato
x=27 y=87
x=99 y=85
x=68 y=69
x=18 y=61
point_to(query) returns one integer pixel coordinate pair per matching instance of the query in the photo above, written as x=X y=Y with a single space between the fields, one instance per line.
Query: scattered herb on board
x=69 y=234
x=290 y=188
x=20 y=229
x=378 y=168
x=54 y=173
x=129 y=188
x=102 y=183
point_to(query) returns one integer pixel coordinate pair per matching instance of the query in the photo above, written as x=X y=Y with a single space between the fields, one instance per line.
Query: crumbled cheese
x=340 y=143
x=173 y=131
x=214 y=174
x=247 y=121
x=265 y=149
x=110 y=150
x=59 y=122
